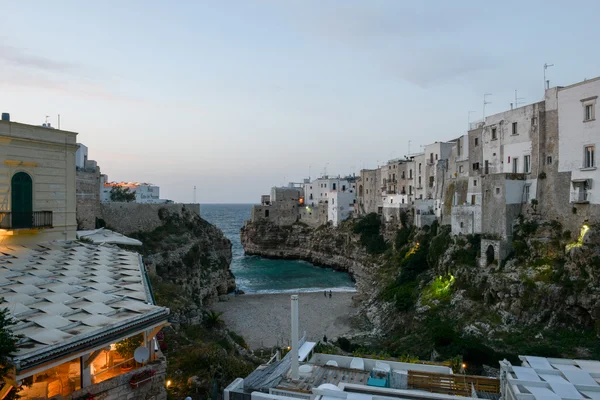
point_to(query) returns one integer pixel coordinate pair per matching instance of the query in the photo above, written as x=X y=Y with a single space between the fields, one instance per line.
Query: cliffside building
x=71 y=302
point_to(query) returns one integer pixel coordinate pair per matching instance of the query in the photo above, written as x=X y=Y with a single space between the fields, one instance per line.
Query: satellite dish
x=141 y=354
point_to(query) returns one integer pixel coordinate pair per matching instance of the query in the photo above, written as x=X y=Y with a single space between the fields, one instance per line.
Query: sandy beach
x=264 y=319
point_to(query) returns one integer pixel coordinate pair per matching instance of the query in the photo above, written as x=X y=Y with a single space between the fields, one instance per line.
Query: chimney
x=295 y=374
x=5 y=117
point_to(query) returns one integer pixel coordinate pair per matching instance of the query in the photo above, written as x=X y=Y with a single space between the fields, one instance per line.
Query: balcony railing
x=582 y=196
x=25 y=220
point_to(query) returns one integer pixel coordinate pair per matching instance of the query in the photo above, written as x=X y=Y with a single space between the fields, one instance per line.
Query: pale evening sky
x=237 y=96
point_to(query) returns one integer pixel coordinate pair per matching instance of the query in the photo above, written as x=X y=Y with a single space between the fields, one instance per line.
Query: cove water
x=260 y=275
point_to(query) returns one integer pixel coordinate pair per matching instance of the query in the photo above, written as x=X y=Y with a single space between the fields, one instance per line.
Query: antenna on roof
x=518 y=100
x=468 y=120
x=547 y=83
x=485 y=102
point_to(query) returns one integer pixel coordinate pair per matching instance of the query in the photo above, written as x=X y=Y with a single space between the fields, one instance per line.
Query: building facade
x=37 y=183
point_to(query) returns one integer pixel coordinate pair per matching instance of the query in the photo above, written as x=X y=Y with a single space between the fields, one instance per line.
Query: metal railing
x=581 y=196
x=25 y=220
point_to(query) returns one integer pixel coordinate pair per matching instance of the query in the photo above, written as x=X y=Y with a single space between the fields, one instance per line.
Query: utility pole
x=546 y=66
x=485 y=102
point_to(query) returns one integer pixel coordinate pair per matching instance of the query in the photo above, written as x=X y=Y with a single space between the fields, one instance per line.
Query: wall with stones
x=282 y=213
x=466 y=219
x=313 y=216
x=87 y=187
x=118 y=388
x=128 y=218
x=501 y=250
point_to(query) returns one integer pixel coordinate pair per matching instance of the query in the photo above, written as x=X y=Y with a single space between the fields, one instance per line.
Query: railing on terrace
x=452 y=384
x=25 y=220
x=582 y=196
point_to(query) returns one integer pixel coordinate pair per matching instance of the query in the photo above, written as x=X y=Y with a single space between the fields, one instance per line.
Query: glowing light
x=168 y=383
x=579 y=241
x=288 y=347
x=464 y=365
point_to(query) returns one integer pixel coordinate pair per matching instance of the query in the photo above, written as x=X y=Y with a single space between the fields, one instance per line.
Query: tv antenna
x=47 y=116
x=546 y=83
x=485 y=102
x=518 y=100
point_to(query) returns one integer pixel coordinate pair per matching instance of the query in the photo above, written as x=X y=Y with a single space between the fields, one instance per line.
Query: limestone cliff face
x=336 y=248
x=189 y=259
x=427 y=281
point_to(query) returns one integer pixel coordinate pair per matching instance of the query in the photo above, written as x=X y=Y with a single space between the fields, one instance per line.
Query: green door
x=21 y=201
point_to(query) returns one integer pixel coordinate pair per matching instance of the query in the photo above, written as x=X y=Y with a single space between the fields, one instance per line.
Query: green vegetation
x=212 y=319
x=440 y=289
x=119 y=194
x=127 y=346
x=8 y=347
x=369 y=228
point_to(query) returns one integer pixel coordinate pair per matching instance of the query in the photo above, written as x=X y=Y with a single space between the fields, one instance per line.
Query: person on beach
x=325 y=293
x=330 y=294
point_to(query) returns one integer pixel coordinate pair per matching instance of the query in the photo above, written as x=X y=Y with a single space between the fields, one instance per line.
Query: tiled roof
x=67 y=294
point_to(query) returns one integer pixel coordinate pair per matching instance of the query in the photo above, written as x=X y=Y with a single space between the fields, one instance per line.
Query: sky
x=234 y=97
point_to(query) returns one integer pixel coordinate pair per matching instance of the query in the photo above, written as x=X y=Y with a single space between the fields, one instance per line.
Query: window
x=533 y=121
x=403 y=175
x=419 y=181
x=430 y=158
x=431 y=181
x=475 y=166
x=494 y=137
x=410 y=189
x=514 y=128
x=527 y=164
x=588 y=112
x=588 y=157
x=476 y=141
x=487 y=167
x=549 y=160
x=472 y=199
x=515 y=165
x=460 y=169
x=333 y=201
x=343 y=188
x=394 y=177
x=474 y=182
x=419 y=167
x=497 y=190
x=334 y=186
x=526 y=193
x=461 y=224
x=410 y=174
x=436 y=156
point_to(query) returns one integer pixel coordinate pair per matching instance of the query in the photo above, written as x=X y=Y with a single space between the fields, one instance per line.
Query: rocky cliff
x=425 y=292
x=325 y=246
x=189 y=262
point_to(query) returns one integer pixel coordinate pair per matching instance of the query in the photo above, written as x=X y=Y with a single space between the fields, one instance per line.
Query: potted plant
x=141 y=377
x=126 y=348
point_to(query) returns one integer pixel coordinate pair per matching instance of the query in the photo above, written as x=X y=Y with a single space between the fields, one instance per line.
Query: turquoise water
x=261 y=275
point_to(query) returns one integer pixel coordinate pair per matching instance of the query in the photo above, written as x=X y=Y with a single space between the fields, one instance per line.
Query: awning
x=101 y=236
x=578 y=180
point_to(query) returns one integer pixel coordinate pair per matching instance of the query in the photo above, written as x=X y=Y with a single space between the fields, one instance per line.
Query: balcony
x=25 y=220
x=580 y=196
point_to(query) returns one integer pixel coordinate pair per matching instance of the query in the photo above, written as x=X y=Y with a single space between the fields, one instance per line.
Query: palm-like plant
x=213 y=319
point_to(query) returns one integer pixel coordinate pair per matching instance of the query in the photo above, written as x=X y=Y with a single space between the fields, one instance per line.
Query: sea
x=260 y=275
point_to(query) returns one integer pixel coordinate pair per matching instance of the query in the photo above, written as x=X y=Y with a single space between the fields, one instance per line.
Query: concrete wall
x=48 y=156
x=340 y=206
x=313 y=216
x=466 y=219
x=127 y=218
x=575 y=134
x=88 y=197
x=118 y=388
x=369 y=193
x=81 y=155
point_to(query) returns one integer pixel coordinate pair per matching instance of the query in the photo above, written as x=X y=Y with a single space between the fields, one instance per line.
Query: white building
x=578 y=135
x=81 y=155
x=317 y=191
x=341 y=205
x=144 y=192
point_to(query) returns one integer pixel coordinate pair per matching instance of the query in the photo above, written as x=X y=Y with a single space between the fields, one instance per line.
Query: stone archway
x=490 y=254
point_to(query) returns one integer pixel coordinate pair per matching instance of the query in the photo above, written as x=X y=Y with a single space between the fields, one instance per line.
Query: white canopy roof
x=101 y=236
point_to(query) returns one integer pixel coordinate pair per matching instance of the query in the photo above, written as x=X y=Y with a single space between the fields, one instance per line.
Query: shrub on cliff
x=369 y=228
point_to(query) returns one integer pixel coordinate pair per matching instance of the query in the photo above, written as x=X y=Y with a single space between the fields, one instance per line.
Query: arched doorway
x=21 y=200
x=489 y=254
